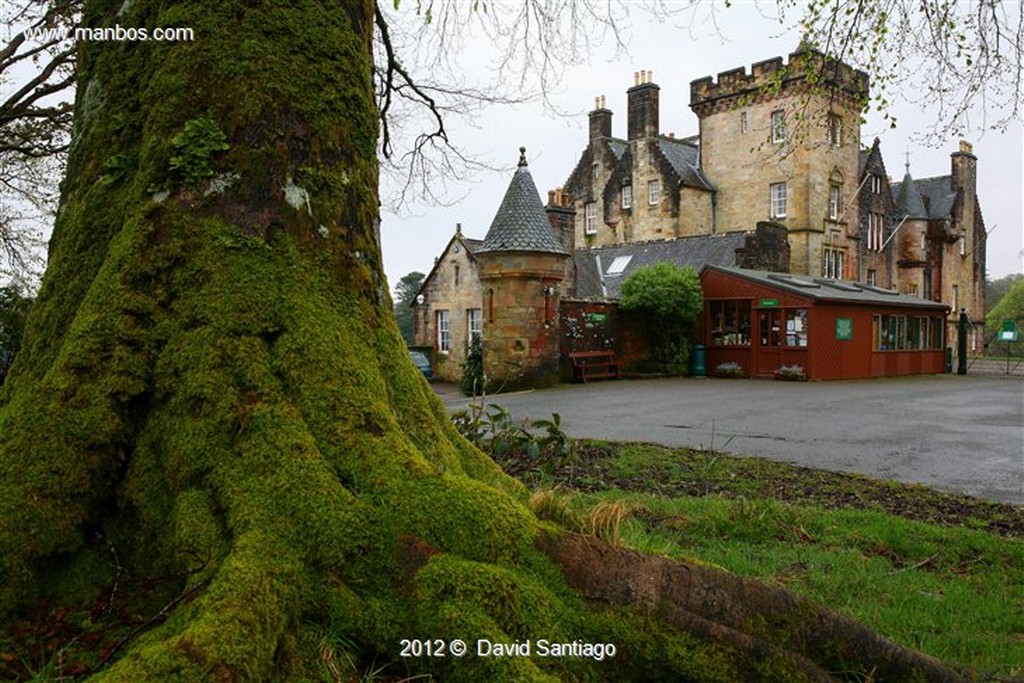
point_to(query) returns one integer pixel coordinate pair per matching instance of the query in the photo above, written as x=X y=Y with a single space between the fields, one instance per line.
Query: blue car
x=422 y=363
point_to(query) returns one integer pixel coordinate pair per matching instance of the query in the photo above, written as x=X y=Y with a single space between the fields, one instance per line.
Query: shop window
x=730 y=323
x=796 y=327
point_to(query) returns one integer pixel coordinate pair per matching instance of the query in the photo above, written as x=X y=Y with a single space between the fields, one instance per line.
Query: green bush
x=473 y=368
x=671 y=299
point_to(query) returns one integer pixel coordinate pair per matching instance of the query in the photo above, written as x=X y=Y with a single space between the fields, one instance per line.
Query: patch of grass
x=937 y=572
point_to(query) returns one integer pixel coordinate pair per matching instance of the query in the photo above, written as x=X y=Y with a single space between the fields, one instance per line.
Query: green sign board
x=598 y=317
x=844 y=329
x=769 y=303
x=1008 y=332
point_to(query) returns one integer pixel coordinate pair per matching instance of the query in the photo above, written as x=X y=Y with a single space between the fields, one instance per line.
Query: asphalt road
x=963 y=434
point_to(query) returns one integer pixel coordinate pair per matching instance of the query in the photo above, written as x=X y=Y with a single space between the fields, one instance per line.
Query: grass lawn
x=940 y=573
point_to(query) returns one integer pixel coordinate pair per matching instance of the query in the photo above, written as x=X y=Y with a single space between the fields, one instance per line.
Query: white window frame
x=444 y=331
x=777 y=199
x=872 y=277
x=590 y=218
x=627 y=196
x=832 y=263
x=778 y=126
x=835 y=201
x=474 y=323
x=956 y=297
x=876 y=229
x=653 y=192
x=876 y=184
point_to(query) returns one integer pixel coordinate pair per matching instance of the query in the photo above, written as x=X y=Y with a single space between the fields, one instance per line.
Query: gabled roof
x=695 y=252
x=472 y=246
x=821 y=289
x=521 y=223
x=684 y=158
x=617 y=146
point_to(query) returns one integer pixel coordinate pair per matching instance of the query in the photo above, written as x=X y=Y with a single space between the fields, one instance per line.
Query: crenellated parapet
x=771 y=77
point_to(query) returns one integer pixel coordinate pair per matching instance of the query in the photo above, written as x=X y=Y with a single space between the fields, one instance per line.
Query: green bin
x=698 y=361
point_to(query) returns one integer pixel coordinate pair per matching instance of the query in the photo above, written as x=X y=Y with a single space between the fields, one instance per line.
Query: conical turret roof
x=521 y=223
x=908 y=199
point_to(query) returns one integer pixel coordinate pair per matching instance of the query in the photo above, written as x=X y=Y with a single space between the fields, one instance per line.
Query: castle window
x=876 y=230
x=474 y=324
x=590 y=218
x=444 y=336
x=627 y=196
x=744 y=123
x=777 y=193
x=835 y=130
x=778 y=126
x=956 y=298
x=876 y=184
x=872 y=277
x=835 y=201
x=963 y=246
x=832 y=263
x=456 y=276
x=653 y=191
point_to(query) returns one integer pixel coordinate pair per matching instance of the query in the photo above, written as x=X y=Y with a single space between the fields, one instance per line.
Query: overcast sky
x=678 y=53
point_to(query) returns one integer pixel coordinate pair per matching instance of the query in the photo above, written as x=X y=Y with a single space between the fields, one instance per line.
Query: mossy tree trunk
x=212 y=387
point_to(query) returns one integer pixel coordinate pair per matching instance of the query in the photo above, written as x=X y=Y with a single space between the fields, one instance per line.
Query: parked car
x=422 y=363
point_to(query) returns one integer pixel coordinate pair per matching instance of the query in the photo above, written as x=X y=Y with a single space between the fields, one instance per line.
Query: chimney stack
x=600 y=120
x=642 y=108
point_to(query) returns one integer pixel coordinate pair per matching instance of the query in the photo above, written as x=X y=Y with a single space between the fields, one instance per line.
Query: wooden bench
x=593 y=364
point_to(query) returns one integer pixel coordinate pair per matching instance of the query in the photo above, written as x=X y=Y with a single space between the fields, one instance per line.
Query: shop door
x=768 y=352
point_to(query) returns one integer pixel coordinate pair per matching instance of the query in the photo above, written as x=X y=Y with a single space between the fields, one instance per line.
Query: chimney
x=600 y=120
x=964 y=169
x=642 y=108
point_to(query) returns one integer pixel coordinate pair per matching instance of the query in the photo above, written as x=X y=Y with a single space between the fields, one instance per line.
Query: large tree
x=212 y=392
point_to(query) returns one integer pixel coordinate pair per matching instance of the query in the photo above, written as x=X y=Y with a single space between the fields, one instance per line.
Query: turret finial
x=522 y=156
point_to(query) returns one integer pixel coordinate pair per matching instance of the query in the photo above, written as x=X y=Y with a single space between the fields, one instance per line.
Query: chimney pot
x=636 y=78
x=650 y=76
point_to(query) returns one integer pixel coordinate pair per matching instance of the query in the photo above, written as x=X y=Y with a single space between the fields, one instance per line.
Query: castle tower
x=522 y=266
x=914 y=256
x=782 y=144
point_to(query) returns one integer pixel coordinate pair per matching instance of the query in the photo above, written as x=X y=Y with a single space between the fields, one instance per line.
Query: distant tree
x=36 y=87
x=995 y=290
x=405 y=293
x=1009 y=307
x=671 y=297
x=13 y=311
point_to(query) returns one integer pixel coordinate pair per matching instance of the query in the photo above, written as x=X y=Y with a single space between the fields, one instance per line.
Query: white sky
x=678 y=54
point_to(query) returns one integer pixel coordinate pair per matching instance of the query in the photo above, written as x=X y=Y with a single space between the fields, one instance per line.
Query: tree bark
x=212 y=384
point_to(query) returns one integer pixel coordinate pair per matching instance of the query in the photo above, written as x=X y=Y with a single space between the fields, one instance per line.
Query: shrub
x=671 y=299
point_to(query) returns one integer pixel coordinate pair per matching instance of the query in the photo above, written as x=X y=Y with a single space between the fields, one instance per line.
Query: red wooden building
x=831 y=329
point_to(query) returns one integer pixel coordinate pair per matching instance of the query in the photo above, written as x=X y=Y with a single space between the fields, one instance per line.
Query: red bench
x=593 y=365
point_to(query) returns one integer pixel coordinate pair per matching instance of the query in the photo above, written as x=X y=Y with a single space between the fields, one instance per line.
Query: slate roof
x=937 y=195
x=685 y=161
x=821 y=289
x=618 y=147
x=908 y=199
x=521 y=223
x=695 y=252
